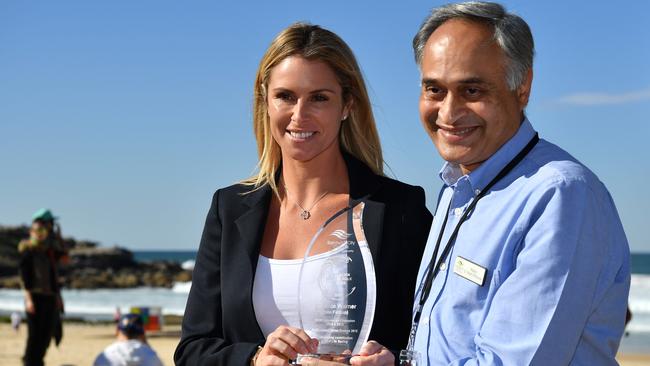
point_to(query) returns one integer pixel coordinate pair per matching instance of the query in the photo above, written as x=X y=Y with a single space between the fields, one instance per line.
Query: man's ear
x=523 y=91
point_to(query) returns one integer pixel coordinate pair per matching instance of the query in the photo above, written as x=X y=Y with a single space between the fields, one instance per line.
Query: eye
x=285 y=97
x=433 y=92
x=319 y=97
x=432 y=89
x=473 y=92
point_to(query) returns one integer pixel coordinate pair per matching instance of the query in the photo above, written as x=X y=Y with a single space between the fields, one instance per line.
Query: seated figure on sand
x=131 y=346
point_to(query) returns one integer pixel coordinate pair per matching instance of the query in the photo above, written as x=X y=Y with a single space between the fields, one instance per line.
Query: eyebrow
x=471 y=80
x=311 y=92
x=323 y=90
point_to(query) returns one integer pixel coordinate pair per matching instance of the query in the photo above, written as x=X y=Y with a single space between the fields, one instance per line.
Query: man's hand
x=373 y=354
x=29 y=305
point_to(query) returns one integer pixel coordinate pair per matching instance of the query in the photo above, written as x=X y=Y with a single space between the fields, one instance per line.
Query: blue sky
x=123 y=117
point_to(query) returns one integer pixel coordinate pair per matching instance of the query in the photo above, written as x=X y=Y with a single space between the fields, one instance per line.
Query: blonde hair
x=358 y=135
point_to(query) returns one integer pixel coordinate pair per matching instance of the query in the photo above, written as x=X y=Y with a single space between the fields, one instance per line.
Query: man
x=531 y=262
x=39 y=280
x=131 y=346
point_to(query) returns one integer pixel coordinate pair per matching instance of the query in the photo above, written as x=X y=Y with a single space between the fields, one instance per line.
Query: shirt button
x=458 y=211
x=477 y=191
x=443 y=266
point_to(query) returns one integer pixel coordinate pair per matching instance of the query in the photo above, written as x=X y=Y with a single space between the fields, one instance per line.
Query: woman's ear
x=347 y=109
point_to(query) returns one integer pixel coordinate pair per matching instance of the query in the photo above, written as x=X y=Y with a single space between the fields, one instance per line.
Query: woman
x=319 y=151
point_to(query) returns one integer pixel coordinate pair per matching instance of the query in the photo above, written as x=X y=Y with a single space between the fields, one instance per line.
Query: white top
x=128 y=353
x=275 y=288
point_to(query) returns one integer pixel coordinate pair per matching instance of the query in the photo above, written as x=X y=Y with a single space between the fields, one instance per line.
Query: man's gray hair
x=511 y=33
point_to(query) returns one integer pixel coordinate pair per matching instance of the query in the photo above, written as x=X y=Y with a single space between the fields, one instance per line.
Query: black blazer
x=219 y=325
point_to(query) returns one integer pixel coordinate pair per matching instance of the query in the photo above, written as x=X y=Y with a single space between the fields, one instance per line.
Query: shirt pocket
x=467 y=305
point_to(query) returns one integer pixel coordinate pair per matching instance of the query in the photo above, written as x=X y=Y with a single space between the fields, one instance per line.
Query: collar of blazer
x=363 y=185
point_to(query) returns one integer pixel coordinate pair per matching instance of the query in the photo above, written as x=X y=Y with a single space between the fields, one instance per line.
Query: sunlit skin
x=305 y=107
x=466 y=106
x=38 y=232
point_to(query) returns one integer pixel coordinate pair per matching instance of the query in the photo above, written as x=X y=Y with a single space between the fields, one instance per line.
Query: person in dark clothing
x=38 y=273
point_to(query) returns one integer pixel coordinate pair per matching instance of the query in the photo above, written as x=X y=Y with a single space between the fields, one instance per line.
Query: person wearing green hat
x=38 y=273
x=43 y=214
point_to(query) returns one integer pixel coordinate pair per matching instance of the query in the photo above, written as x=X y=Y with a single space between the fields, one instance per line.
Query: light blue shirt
x=557 y=262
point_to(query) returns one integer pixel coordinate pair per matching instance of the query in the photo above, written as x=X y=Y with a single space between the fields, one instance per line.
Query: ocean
x=179 y=256
x=100 y=304
x=94 y=305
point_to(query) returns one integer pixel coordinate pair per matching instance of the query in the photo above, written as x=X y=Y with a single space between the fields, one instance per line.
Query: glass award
x=337 y=289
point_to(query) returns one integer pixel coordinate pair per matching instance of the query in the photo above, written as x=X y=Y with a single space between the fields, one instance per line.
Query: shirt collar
x=481 y=176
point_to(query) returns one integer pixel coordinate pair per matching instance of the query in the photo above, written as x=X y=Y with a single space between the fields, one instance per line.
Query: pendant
x=305 y=214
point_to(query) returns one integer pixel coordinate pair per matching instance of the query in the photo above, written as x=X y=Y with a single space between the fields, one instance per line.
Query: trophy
x=337 y=290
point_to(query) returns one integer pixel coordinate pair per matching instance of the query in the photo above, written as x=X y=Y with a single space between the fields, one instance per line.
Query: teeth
x=461 y=132
x=301 y=135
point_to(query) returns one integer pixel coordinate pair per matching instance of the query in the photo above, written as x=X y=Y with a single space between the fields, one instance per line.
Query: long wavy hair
x=358 y=134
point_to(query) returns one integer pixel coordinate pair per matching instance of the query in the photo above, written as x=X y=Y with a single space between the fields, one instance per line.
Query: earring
x=344 y=118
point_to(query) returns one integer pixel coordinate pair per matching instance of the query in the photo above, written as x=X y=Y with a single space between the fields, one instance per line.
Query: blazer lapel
x=251 y=223
x=363 y=184
x=241 y=261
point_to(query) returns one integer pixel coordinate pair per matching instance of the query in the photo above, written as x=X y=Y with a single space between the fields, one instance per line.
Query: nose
x=450 y=109
x=300 y=110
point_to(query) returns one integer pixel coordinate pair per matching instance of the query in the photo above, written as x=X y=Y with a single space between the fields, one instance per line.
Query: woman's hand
x=284 y=344
x=373 y=354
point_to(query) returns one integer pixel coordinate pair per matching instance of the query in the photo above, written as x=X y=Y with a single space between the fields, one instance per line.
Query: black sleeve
x=202 y=338
x=417 y=223
x=406 y=228
x=25 y=270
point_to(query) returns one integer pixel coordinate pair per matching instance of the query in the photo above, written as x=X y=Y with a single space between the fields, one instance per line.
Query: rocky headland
x=90 y=265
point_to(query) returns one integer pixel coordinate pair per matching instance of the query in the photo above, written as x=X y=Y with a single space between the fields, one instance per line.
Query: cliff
x=90 y=265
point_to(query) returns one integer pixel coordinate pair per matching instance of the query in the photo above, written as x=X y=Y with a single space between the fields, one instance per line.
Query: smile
x=301 y=135
x=464 y=131
x=456 y=135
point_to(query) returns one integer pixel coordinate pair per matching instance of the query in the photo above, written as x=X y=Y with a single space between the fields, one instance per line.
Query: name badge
x=470 y=270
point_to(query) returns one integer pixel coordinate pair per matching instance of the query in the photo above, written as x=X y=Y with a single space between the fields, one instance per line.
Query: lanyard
x=432 y=271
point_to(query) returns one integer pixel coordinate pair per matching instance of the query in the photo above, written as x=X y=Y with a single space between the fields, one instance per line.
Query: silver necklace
x=305 y=214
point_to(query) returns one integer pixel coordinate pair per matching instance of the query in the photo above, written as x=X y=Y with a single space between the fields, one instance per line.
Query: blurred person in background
x=16 y=319
x=38 y=273
x=130 y=347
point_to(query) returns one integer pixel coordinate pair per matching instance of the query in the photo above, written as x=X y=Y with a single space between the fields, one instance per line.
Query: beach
x=92 y=310
x=83 y=341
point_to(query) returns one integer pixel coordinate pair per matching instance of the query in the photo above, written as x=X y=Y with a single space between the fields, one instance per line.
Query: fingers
x=370 y=348
x=373 y=354
x=320 y=362
x=271 y=360
x=290 y=341
x=286 y=343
